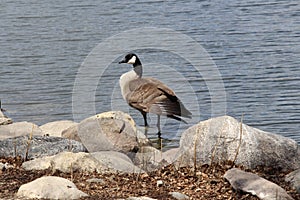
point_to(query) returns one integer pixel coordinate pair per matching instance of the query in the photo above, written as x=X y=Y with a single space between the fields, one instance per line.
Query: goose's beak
x=122 y=61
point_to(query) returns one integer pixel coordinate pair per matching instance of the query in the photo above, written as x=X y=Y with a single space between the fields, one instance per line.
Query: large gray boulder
x=66 y=162
x=71 y=133
x=19 y=129
x=224 y=138
x=252 y=183
x=38 y=146
x=57 y=127
x=110 y=131
x=116 y=161
x=101 y=162
x=50 y=187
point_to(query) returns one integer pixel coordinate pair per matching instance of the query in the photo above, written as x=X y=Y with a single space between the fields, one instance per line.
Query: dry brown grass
x=206 y=183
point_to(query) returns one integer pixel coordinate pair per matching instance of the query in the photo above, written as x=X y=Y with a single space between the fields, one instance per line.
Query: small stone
x=179 y=196
x=202 y=175
x=140 y=198
x=159 y=183
x=95 y=180
x=4 y=166
x=144 y=175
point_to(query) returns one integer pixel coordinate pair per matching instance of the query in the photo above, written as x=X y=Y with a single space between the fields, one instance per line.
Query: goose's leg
x=158 y=125
x=145 y=119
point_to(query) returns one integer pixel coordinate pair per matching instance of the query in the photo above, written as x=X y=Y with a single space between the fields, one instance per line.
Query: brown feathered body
x=149 y=95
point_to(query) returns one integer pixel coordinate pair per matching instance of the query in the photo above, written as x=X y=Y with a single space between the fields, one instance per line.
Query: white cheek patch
x=132 y=60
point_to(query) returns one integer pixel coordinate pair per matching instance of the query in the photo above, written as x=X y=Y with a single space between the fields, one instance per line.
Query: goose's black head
x=131 y=58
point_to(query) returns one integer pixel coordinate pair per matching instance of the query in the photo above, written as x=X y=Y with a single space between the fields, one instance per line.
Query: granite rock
x=50 y=187
x=115 y=131
x=104 y=161
x=224 y=138
x=38 y=146
x=56 y=128
x=71 y=133
x=252 y=183
x=19 y=129
x=149 y=158
x=294 y=179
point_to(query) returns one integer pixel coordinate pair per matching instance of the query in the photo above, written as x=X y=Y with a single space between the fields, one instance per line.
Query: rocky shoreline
x=110 y=145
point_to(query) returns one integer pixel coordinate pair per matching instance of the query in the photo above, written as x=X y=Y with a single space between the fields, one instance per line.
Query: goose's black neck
x=137 y=62
x=138 y=68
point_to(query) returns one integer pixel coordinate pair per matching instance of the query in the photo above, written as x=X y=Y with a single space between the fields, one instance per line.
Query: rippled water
x=255 y=46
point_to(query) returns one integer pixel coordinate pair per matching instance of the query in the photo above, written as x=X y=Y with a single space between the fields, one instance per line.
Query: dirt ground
x=206 y=182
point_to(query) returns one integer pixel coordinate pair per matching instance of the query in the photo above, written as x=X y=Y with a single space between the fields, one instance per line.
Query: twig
x=161 y=145
x=28 y=143
x=240 y=141
x=15 y=147
x=195 y=152
x=71 y=170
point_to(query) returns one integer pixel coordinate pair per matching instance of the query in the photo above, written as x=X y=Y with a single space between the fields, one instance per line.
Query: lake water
x=254 y=44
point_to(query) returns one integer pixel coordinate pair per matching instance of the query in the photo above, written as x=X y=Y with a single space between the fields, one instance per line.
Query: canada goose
x=149 y=95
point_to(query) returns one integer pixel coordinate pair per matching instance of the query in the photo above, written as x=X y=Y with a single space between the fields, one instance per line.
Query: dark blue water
x=255 y=46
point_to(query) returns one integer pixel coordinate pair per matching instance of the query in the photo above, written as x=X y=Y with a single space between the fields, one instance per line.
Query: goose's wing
x=142 y=94
x=151 y=95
